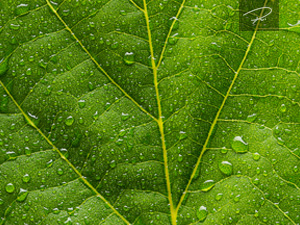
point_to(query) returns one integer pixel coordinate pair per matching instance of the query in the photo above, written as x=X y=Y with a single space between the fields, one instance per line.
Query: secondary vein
x=218 y=115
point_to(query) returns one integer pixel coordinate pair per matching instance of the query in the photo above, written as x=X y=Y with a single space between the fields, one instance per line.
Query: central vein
x=159 y=120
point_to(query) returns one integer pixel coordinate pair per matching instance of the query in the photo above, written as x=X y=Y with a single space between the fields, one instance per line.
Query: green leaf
x=147 y=112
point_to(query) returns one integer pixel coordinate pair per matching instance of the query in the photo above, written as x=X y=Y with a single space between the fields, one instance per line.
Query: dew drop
x=65 y=12
x=219 y=196
x=27 y=151
x=172 y=40
x=10 y=188
x=207 y=185
x=112 y=164
x=81 y=103
x=252 y=117
x=283 y=108
x=26 y=178
x=60 y=171
x=125 y=116
x=239 y=145
x=237 y=198
x=224 y=150
x=202 y=213
x=295 y=169
x=256 y=156
x=14 y=26
x=183 y=135
x=225 y=167
x=129 y=58
x=69 y=121
x=180 y=158
x=96 y=115
x=22 y=195
x=123 y=12
x=21 y=9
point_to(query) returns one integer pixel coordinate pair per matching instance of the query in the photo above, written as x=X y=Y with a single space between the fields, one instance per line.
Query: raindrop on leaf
x=239 y=145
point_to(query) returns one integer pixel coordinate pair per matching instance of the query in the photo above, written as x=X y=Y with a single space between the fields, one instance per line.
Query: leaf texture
x=147 y=112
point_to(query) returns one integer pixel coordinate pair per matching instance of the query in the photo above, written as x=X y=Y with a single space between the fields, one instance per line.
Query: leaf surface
x=147 y=112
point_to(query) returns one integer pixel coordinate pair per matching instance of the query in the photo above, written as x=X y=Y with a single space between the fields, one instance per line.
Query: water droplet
x=42 y=64
x=26 y=178
x=69 y=121
x=239 y=145
x=236 y=198
x=225 y=167
x=96 y=115
x=183 y=135
x=252 y=117
x=125 y=116
x=66 y=12
x=14 y=26
x=123 y=13
x=129 y=58
x=91 y=86
x=219 y=196
x=283 y=108
x=202 y=213
x=207 y=185
x=180 y=158
x=22 y=195
x=27 y=151
x=224 y=150
x=295 y=169
x=81 y=103
x=172 y=40
x=256 y=156
x=21 y=9
x=60 y=171
x=114 y=45
x=113 y=164
x=10 y=188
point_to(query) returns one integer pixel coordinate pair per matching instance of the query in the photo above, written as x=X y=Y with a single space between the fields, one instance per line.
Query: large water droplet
x=207 y=185
x=239 y=145
x=202 y=213
x=129 y=58
x=10 y=188
x=81 y=103
x=252 y=117
x=256 y=156
x=219 y=196
x=21 y=9
x=69 y=121
x=225 y=167
x=22 y=195
x=26 y=178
